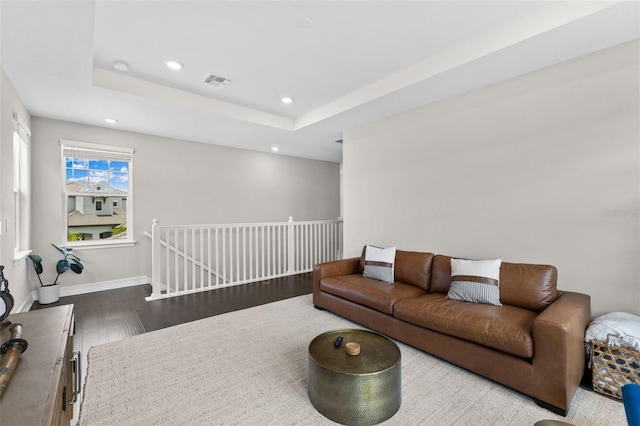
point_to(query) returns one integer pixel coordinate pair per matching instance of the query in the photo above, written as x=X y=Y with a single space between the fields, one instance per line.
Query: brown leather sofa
x=533 y=343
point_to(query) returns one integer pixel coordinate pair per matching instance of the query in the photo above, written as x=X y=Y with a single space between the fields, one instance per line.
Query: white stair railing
x=193 y=258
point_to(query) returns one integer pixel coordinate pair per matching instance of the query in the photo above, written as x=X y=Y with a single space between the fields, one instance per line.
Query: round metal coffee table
x=363 y=389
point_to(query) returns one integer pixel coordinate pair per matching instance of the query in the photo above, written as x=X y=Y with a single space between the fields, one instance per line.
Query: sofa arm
x=333 y=269
x=558 y=339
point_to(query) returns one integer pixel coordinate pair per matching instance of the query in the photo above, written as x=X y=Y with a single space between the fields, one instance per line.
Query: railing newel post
x=155 y=258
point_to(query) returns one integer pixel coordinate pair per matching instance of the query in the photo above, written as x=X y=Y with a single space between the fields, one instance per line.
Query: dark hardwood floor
x=112 y=315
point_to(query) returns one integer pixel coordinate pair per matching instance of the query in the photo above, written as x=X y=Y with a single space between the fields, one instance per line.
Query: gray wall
x=544 y=168
x=18 y=273
x=177 y=182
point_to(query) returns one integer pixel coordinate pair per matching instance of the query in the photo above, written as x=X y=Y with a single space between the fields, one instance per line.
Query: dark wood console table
x=45 y=383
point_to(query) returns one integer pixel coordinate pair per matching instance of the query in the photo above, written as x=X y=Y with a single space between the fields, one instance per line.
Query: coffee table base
x=355 y=399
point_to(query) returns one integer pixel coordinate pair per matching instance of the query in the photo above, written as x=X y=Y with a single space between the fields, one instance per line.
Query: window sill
x=90 y=245
x=20 y=256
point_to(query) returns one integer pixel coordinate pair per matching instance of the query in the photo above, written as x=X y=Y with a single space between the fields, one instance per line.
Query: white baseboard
x=26 y=305
x=103 y=285
x=74 y=290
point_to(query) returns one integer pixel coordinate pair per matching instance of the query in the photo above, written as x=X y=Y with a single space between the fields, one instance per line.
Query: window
x=21 y=187
x=98 y=194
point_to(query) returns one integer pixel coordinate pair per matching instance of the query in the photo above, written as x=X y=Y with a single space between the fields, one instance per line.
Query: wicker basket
x=613 y=367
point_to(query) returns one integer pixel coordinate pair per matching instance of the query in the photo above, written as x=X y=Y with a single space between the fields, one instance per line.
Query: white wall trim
x=26 y=305
x=74 y=290
x=103 y=285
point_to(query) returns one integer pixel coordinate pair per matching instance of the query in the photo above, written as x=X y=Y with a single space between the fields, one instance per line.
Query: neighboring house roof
x=74 y=187
x=76 y=218
x=94 y=189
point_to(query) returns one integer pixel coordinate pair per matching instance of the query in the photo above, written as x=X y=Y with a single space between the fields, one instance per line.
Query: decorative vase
x=48 y=294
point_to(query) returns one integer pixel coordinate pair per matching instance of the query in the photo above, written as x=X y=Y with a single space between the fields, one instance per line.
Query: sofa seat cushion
x=375 y=294
x=504 y=328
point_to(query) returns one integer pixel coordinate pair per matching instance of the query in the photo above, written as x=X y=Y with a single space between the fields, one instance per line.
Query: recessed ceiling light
x=275 y=149
x=174 y=65
x=287 y=100
x=121 y=66
x=111 y=120
x=304 y=22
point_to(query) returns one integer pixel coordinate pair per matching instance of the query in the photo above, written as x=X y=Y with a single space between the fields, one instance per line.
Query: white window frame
x=21 y=188
x=101 y=151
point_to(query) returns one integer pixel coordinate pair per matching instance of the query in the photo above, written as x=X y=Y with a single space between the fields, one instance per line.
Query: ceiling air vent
x=217 y=80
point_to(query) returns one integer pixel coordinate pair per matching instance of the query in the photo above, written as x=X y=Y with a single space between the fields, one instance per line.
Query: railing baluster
x=278 y=254
x=224 y=254
x=167 y=254
x=237 y=259
x=305 y=242
x=201 y=256
x=329 y=241
x=295 y=248
x=325 y=246
x=176 y=278
x=251 y=252
x=217 y=245
x=321 y=242
x=262 y=270
x=244 y=253
x=334 y=241
x=237 y=253
x=314 y=244
x=231 y=261
x=309 y=244
x=269 y=256
x=183 y=285
x=275 y=254
x=208 y=266
x=272 y=255
x=193 y=264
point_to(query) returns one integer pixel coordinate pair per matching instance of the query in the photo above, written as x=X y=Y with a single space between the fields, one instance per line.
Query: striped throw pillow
x=475 y=281
x=379 y=263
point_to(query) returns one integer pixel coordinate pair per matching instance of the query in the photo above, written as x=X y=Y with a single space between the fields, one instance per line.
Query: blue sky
x=94 y=172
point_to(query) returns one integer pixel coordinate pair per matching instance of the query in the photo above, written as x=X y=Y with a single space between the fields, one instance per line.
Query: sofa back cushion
x=414 y=268
x=411 y=267
x=523 y=285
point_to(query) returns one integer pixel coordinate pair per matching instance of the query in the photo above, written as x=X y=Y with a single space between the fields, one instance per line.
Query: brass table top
x=377 y=353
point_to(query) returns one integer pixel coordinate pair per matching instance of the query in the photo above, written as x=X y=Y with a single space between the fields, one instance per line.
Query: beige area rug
x=250 y=368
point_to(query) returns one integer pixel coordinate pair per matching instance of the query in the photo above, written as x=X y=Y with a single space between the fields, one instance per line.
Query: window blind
x=99 y=152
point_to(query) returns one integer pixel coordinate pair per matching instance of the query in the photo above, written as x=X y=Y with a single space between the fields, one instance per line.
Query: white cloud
x=98 y=176
x=78 y=163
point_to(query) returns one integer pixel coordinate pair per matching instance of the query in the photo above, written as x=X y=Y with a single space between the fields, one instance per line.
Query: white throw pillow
x=379 y=263
x=476 y=281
